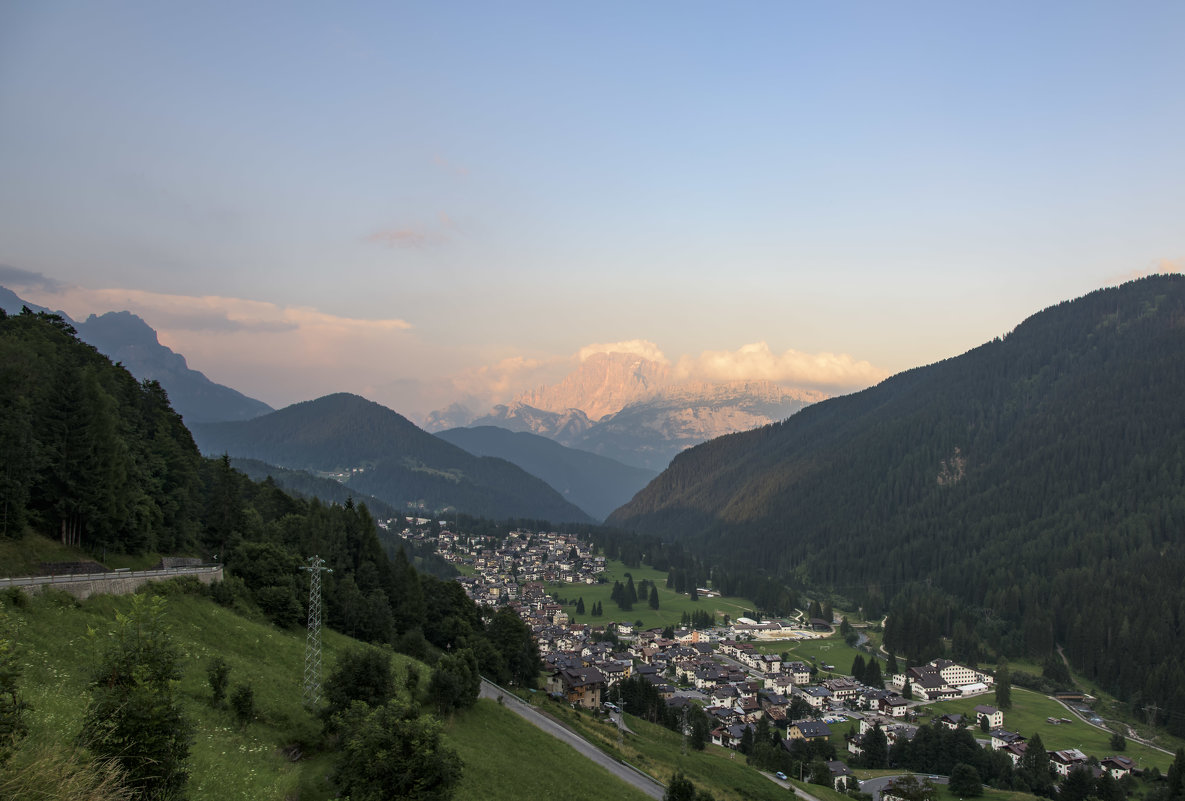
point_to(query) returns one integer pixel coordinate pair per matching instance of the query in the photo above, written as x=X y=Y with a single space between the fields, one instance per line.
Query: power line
x=312 y=651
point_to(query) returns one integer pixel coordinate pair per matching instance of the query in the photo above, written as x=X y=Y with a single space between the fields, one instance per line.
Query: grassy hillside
x=508 y=758
x=659 y=752
x=1028 y=714
x=505 y=757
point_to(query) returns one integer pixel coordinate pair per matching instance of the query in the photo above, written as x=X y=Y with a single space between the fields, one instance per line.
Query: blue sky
x=421 y=202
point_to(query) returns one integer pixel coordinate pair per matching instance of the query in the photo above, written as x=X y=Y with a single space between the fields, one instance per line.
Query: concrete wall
x=114 y=583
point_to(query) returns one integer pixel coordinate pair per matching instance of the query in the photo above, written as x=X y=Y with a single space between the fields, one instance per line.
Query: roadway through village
x=626 y=773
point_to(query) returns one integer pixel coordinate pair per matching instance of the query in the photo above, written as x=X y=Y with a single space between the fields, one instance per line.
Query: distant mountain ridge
x=595 y=483
x=125 y=338
x=648 y=432
x=629 y=408
x=389 y=457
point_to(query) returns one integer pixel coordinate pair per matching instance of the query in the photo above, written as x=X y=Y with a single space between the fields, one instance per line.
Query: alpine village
x=967 y=581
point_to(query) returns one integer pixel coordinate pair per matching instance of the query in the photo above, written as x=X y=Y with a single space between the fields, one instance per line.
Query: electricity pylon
x=312 y=651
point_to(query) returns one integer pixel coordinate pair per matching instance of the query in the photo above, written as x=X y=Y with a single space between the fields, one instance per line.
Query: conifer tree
x=134 y=714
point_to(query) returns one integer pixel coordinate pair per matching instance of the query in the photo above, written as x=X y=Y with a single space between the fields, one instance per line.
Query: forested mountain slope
x=1039 y=479
x=597 y=484
x=125 y=338
x=394 y=460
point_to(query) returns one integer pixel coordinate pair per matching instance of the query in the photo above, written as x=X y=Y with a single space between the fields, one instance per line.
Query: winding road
x=626 y=773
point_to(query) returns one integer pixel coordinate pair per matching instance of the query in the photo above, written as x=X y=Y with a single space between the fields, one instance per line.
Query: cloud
x=449 y=166
x=274 y=352
x=832 y=371
x=26 y=279
x=638 y=347
x=501 y=382
x=400 y=237
x=415 y=235
x=217 y=314
x=1163 y=267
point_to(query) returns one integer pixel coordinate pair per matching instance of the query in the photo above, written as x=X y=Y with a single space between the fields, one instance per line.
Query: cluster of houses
x=501 y=566
x=735 y=683
x=1063 y=761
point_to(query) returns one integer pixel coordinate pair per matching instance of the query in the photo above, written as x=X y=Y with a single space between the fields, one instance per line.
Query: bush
x=242 y=701
x=393 y=752
x=14 y=598
x=218 y=674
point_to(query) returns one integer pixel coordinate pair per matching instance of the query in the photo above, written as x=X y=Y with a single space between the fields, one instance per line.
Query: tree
x=876 y=748
x=580 y=605
x=858 y=668
x=1077 y=786
x=1003 y=686
x=872 y=674
x=1118 y=742
x=965 y=781
x=653 y=597
x=907 y=690
x=218 y=675
x=1034 y=767
x=455 y=681
x=134 y=714
x=361 y=674
x=1175 y=779
x=393 y=751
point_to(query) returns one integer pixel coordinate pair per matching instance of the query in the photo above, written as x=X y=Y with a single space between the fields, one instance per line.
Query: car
x=781 y=775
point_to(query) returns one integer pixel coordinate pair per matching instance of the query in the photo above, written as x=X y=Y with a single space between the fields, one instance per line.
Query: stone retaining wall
x=113 y=583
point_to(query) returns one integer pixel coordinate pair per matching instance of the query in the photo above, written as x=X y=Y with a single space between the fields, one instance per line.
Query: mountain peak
x=603 y=384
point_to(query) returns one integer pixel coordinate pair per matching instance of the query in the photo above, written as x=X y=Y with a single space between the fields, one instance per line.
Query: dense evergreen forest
x=101 y=461
x=1025 y=495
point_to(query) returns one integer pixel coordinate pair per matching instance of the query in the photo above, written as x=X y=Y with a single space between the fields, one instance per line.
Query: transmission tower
x=312 y=651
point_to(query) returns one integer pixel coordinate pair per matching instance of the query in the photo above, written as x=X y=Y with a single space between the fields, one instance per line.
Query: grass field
x=659 y=752
x=502 y=753
x=1028 y=714
x=671 y=605
x=507 y=758
x=23 y=557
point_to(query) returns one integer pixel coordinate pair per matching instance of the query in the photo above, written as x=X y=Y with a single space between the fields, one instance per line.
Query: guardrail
x=25 y=581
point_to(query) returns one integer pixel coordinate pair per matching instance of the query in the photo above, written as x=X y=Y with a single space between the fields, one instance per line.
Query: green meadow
x=274 y=757
x=671 y=604
x=1028 y=716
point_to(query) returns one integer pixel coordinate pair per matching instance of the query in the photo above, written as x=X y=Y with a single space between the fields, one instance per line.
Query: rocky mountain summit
x=633 y=409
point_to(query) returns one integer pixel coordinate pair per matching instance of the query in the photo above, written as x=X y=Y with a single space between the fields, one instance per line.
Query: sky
x=455 y=201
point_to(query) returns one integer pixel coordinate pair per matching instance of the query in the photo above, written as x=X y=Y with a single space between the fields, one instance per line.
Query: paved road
x=798 y=791
x=874 y=786
x=560 y=732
